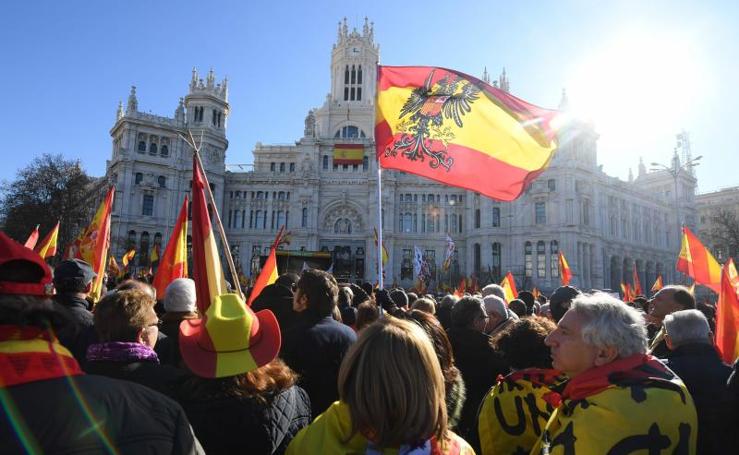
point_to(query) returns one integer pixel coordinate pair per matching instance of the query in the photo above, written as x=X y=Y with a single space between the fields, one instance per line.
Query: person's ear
x=668 y=342
x=140 y=335
x=606 y=355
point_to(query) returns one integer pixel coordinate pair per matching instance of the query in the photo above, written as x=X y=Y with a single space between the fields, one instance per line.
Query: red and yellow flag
x=657 y=284
x=47 y=248
x=628 y=293
x=727 y=314
x=565 y=274
x=698 y=263
x=113 y=268
x=459 y=292
x=128 y=257
x=348 y=153
x=637 y=283
x=92 y=246
x=32 y=238
x=385 y=255
x=268 y=274
x=458 y=130
x=154 y=254
x=173 y=263
x=207 y=273
x=509 y=286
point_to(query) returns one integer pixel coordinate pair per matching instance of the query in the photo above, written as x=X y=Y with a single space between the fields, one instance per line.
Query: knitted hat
x=230 y=339
x=24 y=272
x=180 y=296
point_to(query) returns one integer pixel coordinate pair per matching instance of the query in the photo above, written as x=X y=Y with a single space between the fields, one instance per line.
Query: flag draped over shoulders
x=454 y=128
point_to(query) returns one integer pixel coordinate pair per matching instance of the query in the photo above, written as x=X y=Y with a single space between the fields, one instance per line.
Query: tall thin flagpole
x=379 y=226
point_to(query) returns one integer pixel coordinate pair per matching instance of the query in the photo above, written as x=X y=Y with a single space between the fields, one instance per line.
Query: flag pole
x=379 y=224
x=219 y=224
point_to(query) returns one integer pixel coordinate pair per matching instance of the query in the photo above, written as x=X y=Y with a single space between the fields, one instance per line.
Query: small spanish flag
x=348 y=153
x=154 y=254
x=113 y=269
x=657 y=284
x=628 y=293
x=128 y=257
x=47 y=248
x=32 y=238
x=698 y=263
x=459 y=292
x=637 y=282
x=268 y=274
x=564 y=270
x=384 y=250
x=509 y=286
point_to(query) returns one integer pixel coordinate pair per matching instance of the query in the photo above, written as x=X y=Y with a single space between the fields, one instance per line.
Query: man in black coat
x=51 y=406
x=479 y=363
x=666 y=301
x=693 y=357
x=73 y=282
x=316 y=345
x=278 y=297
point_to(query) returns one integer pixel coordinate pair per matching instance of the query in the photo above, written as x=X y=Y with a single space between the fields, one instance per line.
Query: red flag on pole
x=92 y=246
x=564 y=270
x=47 y=248
x=268 y=274
x=173 y=263
x=727 y=314
x=637 y=282
x=698 y=263
x=509 y=286
x=32 y=239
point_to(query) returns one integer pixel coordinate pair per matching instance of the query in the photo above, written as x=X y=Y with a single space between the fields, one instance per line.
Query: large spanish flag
x=348 y=153
x=47 y=248
x=92 y=246
x=565 y=273
x=727 y=314
x=509 y=286
x=173 y=263
x=698 y=263
x=207 y=273
x=456 y=129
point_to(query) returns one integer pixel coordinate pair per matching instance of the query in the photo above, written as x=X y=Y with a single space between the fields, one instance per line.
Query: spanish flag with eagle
x=454 y=128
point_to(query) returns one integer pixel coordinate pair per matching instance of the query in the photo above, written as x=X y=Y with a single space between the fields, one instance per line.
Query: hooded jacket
x=330 y=432
x=631 y=405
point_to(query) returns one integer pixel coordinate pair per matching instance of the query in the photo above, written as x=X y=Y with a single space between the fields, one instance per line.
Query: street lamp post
x=675 y=171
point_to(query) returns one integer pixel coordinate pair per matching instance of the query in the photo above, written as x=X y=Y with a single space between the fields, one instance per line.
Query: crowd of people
x=318 y=366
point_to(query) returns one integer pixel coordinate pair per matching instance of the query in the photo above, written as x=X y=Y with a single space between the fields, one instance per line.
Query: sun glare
x=637 y=86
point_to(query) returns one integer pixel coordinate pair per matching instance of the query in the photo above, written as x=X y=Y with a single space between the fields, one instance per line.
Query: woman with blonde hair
x=392 y=399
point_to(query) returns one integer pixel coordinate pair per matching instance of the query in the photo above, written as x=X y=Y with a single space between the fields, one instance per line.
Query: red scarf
x=638 y=367
x=30 y=354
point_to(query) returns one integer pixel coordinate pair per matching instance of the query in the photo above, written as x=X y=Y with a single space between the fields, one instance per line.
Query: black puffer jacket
x=165 y=379
x=480 y=365
x=247 y=425
x=89 y=414
x=705 y=375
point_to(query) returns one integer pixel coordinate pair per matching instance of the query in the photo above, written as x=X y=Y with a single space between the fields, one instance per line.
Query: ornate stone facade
x=604 y=226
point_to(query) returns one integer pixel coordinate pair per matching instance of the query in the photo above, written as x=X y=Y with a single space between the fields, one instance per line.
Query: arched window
x=346 y=74
x=164 y=151
x=354 y=75
x=142 y=146
x=541 y=259
x=359 y=75
x=152 y=149
x=496 y=216
x=138 y=178
x=349 y=131
x=325 y=162
x=304 y=218
x=280 y=218
x=162 y=181
x=281 y=196
x=554 y=259
x=528 y=259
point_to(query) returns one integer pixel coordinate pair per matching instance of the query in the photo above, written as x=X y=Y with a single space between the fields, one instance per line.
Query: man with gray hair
x=499 y=317
x=493 y=289
x=693 y=357
x=617 y=398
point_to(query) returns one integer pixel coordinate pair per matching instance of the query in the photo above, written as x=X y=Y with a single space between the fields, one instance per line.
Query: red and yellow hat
x=229 y=339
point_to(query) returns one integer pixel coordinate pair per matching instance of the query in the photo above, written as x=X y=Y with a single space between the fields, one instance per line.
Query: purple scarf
x=118 y=351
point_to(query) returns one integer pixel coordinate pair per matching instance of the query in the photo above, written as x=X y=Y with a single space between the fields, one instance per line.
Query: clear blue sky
x=641 y=70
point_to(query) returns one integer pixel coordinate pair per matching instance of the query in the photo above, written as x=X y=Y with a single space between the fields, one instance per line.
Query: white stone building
x=603 y=225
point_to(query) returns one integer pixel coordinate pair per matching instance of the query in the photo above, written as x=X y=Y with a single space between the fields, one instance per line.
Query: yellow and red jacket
x=632 y=405
x=515 y=411
x=329 y=433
